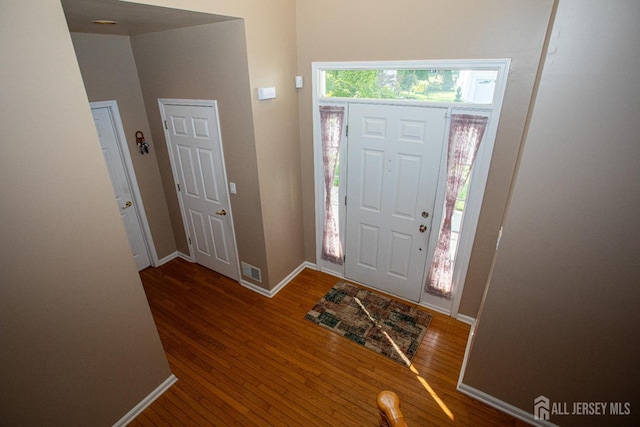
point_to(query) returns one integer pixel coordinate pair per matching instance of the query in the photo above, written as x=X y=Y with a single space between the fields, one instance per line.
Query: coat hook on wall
x=143 y=145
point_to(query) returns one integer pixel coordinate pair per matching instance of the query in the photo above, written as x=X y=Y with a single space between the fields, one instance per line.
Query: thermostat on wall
x=266 y=93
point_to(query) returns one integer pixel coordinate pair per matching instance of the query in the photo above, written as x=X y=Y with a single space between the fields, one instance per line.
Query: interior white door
x=394 y=155
x=105 y=126
x=197 y=159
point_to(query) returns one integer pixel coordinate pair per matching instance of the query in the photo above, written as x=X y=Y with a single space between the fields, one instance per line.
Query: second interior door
x=105 y=119
x=197 y=159
x=394 y=156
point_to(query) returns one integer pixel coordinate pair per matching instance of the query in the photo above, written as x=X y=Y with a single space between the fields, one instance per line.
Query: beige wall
x=270 y=35
x=333 y=30
x=208 y=62
x=560 y=317
x=109 y=73
x=271 y=47
x=79 y=346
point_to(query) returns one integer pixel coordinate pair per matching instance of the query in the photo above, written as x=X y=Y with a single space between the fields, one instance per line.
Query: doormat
x=379 y=323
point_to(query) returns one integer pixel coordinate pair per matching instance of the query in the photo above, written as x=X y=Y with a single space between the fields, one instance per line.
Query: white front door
x=195 y=146
x=394 y=155
x=106 y=128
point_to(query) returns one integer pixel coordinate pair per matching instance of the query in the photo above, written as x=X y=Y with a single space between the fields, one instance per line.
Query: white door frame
x=132 y=181
x=198 y=103
x=480 y=170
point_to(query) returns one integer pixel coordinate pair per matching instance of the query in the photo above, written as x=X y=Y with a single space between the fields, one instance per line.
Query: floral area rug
x=382 y=324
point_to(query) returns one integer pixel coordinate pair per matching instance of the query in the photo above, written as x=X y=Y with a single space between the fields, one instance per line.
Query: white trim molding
x=172 y=256
x=271 y=293
x=144 y=403
x=166 y=259
x=434 y=308
x=502 y=406
x=131 y=176
x=489 y=399
x=213 y=104
x=466 y=319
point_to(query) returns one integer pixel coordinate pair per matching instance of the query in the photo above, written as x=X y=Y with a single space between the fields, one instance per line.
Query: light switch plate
x=266 y=93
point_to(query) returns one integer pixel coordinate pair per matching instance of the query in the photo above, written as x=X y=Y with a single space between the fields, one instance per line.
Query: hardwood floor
x=244 y=359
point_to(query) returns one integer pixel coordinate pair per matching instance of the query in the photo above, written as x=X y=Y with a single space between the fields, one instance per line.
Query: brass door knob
x=423 y=228
x=127 y=205
x=222 y=212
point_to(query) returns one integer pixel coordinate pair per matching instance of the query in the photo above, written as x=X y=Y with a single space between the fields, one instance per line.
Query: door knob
x=423 y=228
x=127 y=205
x=222 y=212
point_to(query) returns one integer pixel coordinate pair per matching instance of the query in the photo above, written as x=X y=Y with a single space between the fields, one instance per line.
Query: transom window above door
x=447 y=85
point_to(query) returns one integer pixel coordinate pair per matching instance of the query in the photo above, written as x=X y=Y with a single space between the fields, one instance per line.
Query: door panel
x=371 y=180
x=394 y=155
x=207 y=168
x=196 y=151
x=400 y=254
x=221 y=251
x=187 y=170
x=120 y=181
x=406 y=198
x=199 y=233
x=369 y=237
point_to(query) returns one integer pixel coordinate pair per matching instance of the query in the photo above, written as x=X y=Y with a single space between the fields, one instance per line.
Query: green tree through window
x=420 y=85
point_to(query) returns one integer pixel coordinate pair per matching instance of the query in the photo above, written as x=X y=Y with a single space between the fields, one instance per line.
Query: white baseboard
x=465 y=319
x=176 y=254
x=185 y=257
x=461 y=317
x=334 y=274
x=310 y=265
x=434 y=308
x=489 y=399
x=166 y=259
x=503 y=406
x=144 y=403
x=271 y=293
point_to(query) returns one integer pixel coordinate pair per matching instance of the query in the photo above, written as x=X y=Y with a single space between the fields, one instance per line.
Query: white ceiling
x=132 y=18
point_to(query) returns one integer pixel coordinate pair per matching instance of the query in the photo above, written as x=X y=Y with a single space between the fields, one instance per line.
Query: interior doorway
x=192 y=132
x=125 y=186
x=111 y=68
